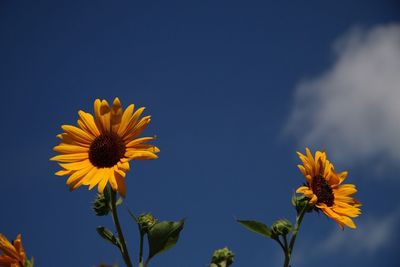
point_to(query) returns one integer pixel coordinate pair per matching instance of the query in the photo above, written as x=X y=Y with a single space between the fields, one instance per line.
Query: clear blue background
x=217 y=77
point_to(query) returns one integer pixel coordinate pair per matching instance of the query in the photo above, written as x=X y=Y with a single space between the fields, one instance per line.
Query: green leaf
x=108 y=235
x=163 y=235
x=256 y=227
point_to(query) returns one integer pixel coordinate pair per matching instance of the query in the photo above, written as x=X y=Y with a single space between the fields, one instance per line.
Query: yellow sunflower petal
x=341 y=220
x=18 y=246
x=78 y=134
x=133 y=122
x=77 y=175
x=113 y=181
x=125 y=119
x=7 y=261
x=103 y=182
x=74 y=166
x=70 y=149
x=313 y=199
x=116 y=115
x=89 y=122
x=121 y=184
x=105 y=113
x=70 y=157
x=302 y=189
x=120 y=171
x=342 y=176
x=302 y=169
x=145 y=147
x=140 y=155
x=350 y=211
x=139 y=141
x=346 y=189
x=95 y=179
x=102 y=115
x=303 y=159
x=7 y=248
x=97 y=115
x=138 y=129
x=88 y=177
x=309 y=155
x=63 y=172
x=123 y=166
x=344 y=198
x=68 y=140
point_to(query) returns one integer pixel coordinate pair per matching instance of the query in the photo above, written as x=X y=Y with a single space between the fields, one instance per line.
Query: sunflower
x=325 y=190
x=13 y=254
x=98 y=151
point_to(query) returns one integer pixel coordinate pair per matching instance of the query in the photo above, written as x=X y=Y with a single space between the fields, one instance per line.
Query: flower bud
x=146 y=221
x=301 y=202
x=101 y=205
x=281 y=227
x=221 y=256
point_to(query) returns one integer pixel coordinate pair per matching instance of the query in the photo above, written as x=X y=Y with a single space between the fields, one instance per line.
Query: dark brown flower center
x=322 y=190
x=106 y=150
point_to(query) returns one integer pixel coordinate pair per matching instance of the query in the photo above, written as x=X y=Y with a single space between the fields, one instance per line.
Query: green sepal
x=256 y=227
x=145 y=222
x=163 y=235
x=102 y=203
x=29 y=263
x=302 y=202
x=222 y=257
x=281 y=227
x=133 y=216
x=108 y=235
x=119 y=202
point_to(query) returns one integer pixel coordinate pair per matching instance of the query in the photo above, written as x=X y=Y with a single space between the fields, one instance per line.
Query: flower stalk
x=141 y=250
x=288 y=249
x=123 y=248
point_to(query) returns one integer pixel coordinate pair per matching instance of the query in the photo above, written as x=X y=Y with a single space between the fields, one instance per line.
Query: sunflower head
x=12 y=254
x=97 y=151
x=325 y=190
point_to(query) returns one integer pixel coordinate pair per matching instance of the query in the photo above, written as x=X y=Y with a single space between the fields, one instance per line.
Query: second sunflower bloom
x=325 y=190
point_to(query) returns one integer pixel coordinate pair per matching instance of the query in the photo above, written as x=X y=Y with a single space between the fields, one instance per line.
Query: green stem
x=147 y=262
x=289 y=250
x=286 y=251
x=141 y=250
x=281 y=245
x=123 y=248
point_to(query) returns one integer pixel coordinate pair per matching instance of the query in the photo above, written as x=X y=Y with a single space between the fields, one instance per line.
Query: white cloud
x=353 y=109
x=371 y=235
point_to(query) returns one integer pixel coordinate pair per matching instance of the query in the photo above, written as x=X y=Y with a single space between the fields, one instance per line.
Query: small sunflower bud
x=281 y=227
x=146 y=221
x=300 y=202
x=101 y=205
x=222 y=257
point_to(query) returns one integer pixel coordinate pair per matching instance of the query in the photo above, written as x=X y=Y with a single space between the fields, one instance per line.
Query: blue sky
x=234 y=89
